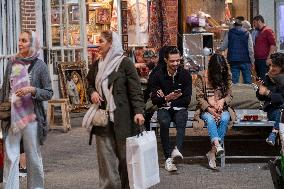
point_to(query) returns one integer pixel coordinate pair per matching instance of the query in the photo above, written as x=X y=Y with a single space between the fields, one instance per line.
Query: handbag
x=5 y=110
x=101 y=118
x=142 y=160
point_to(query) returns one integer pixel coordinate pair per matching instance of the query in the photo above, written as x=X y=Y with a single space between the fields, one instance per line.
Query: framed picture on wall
x=103 y=16
x=74 y=14
x=73 y=84
x=55 y=16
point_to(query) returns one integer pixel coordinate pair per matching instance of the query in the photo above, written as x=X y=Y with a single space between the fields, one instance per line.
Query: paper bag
x=142 y=160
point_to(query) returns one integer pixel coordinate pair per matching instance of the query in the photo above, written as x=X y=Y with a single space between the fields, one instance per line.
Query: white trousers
x=35 y=175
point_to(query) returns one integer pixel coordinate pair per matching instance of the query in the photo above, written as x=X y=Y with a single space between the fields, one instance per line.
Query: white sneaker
x=211 y=160
x=169 y=165
x=219 y=149
x=176 y=156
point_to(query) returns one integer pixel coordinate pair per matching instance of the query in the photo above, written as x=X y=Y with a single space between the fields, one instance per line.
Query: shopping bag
x=142 y=160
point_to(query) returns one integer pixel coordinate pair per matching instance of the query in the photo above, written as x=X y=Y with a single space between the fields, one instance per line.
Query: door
x=280 y=25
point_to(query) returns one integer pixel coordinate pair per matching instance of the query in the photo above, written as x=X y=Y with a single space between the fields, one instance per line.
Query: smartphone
x=177 y=91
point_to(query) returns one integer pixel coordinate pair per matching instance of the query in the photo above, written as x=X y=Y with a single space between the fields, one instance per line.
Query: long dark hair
x=218 y=73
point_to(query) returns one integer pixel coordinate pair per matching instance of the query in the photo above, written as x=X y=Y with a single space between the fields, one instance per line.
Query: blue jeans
x=274 y=115
x=179 y=117
x=245 y=68
x=216 y=131
x=261 y=68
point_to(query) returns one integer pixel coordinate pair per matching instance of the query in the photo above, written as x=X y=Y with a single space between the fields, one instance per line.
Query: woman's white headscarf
x=106 y=66
x=34 y=47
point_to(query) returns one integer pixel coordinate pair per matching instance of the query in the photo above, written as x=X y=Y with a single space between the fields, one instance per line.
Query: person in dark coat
x=171 y=92
x=114 y=85
x=271 y=91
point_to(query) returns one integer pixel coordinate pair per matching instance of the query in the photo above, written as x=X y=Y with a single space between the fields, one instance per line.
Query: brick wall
x=28 y=16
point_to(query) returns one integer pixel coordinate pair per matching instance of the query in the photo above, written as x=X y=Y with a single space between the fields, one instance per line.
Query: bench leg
x=223 y=157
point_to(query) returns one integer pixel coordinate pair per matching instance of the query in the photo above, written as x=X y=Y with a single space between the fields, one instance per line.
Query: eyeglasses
x=148 y=54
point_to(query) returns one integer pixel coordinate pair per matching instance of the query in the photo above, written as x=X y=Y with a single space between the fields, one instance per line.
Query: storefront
x=73 y=27
x=10 y=28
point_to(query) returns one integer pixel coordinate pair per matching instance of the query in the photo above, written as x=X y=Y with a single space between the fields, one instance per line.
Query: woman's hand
x=25 y=90
x=139 y=119
x=213 y=112
x=220 y=104
x=96 y=98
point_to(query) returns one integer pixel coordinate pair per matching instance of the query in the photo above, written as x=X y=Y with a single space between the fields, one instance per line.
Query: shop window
x=98 y=14
x=65 y=23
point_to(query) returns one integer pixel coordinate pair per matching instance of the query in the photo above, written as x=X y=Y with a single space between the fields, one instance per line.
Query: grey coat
x=41 y=81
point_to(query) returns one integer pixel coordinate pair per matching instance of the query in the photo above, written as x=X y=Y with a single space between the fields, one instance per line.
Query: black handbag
x=5 y=111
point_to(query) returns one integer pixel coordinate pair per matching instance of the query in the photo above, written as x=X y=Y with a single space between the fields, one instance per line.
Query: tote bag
x=142 y=160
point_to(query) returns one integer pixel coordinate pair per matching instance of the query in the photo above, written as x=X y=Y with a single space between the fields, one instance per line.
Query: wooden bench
x=238 y=124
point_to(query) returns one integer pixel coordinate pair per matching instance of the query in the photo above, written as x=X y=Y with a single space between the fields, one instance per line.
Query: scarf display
x=106 y=66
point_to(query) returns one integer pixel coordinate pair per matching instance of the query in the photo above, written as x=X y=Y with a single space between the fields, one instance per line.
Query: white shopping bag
x=142 y=160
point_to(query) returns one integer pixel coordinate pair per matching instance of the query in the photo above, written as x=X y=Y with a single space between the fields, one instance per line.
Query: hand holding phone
x=177 y=91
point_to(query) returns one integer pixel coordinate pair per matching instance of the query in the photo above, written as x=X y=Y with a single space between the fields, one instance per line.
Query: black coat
x=276 y=97
x=127 y=95
x=162 y=81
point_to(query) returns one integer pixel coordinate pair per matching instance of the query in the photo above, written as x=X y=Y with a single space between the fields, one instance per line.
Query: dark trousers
x=274 y=115
x=112 y=174
x=179 y=117
x=245 y=68
x=261 y=68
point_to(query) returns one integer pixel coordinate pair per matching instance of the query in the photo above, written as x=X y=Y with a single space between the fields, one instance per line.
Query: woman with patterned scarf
x=114 y=86
x=26 y=85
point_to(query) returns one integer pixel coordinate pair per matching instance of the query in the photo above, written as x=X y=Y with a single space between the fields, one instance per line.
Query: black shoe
x=23 y=172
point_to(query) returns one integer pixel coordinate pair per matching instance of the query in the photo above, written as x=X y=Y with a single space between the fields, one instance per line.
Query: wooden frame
x=73 y=84
x=103 y=16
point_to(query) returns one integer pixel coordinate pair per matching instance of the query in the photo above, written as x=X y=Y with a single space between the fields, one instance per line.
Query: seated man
x=171 y=91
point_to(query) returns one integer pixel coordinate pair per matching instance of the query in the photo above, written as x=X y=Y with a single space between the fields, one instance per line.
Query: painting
x=55 y=16
x=103 y=16
x=73 y=84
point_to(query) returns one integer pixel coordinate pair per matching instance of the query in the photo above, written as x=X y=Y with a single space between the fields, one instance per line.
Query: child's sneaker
x=271 y=138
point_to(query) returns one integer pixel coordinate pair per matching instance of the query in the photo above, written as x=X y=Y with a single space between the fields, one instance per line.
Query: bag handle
x=142 y=128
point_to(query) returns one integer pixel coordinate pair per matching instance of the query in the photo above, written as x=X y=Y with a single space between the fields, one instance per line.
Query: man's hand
x=96 y=98
x=139 y=119
x=173 y=96
x=25 y=90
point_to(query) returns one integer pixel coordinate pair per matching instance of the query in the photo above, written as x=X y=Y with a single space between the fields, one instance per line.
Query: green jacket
x=128 y=98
